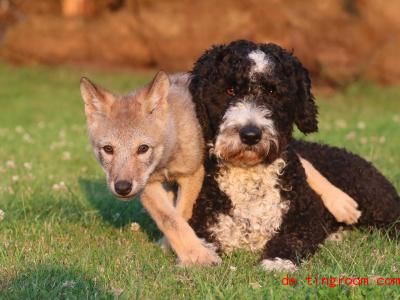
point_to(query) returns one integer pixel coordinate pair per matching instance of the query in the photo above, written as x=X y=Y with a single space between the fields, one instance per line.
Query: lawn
x=63 y=235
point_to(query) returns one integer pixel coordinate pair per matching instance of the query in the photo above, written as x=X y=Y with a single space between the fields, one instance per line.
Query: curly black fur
x=285 y=91
x=210 y=203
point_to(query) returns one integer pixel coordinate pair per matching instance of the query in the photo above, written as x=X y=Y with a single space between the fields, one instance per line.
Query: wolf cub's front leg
x=188 y=191
x=339 y=204
x=188 y=247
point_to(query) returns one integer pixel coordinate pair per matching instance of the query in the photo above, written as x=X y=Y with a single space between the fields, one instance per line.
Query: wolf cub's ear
x=97 y=99
x=157 y=93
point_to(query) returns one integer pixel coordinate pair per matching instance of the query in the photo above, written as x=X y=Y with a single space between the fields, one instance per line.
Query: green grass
x=74 y=240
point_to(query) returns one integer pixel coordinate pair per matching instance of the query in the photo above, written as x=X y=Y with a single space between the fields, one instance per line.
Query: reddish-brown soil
x=339 y=41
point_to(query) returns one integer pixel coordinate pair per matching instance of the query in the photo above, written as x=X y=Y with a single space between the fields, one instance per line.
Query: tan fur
x=190 y=187
x=189 y=248
x=339 y=204
x=161 y=116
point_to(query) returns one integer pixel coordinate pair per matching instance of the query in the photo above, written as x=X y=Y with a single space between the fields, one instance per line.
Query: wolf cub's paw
x=343 y=208
x=278 y=264
x=201 y=256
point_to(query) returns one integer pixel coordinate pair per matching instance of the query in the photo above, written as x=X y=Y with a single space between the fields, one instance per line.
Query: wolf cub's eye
x=142 y=149
x=108 y=149
x=231 y=91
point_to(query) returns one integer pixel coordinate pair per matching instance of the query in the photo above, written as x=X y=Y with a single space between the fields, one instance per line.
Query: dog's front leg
x=188 y=247
x=304 y=228
x=188 y=191
x=285 y=250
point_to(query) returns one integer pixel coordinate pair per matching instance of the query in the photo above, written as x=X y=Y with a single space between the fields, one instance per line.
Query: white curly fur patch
x=261 y=63
x=257 y=206
x=278 y=264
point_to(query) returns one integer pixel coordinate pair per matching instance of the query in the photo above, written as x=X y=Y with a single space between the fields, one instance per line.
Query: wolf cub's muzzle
x=123 y=188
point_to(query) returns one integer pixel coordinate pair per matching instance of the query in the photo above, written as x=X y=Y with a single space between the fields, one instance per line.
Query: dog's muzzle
x=246 y=134
x=250 y=135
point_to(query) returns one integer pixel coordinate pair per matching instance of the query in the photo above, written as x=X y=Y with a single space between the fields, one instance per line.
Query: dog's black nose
x=123 y=187
x=250 y=135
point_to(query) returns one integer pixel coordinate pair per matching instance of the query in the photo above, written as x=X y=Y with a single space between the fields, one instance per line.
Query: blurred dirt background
x=339 y=41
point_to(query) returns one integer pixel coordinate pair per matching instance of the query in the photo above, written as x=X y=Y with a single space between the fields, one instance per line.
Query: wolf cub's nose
x=123 y=187
x=250 y=135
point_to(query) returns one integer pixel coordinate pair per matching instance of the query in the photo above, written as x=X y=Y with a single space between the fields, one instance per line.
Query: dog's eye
x=108 y=149
x=142 y=149
x=231 y=91
x=270 y=88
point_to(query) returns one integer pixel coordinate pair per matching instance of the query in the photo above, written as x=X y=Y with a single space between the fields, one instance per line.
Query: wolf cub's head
x=126 y=132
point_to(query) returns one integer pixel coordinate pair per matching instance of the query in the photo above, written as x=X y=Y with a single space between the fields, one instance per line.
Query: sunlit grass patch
x=63 y=235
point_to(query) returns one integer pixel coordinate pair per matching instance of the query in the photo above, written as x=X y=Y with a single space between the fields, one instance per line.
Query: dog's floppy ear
x=203 y=73
x=97 y=100
x=306 y=109
x=157 y=93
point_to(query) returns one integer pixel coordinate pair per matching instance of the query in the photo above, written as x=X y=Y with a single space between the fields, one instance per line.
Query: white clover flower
x=2 y=214
x=27 y=138
x=117 y=291
x=59 y=186
x=66 y=155
x=15 y=178
x=11 y=164
x=361 y=125
x=27 y=165
x=341 y=124
x=351 y=135
x=62 y=134
x=116 y=216
x=255 y=285
x=135 y=227
x=68 y=284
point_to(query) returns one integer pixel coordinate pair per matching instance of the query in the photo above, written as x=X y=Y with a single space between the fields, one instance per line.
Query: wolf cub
x=145 y=138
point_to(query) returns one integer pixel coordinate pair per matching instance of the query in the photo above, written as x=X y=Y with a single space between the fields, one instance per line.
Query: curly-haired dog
x=255 y=195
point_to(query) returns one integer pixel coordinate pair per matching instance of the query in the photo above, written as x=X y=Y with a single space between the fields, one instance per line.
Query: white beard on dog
x=257 y=210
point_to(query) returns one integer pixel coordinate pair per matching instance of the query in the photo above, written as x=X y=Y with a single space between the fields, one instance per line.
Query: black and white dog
x=255 y=195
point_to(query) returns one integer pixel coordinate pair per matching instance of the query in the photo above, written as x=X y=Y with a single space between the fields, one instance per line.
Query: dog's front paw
x=278 y=264
x=343 y=207
x=200 y=256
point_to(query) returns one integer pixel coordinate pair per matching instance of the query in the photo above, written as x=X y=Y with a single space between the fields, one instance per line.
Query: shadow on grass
x=53 y=282
x=115 y=212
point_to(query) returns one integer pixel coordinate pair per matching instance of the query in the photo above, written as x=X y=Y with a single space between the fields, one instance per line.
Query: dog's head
x=248 y=97
x=127 y=131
